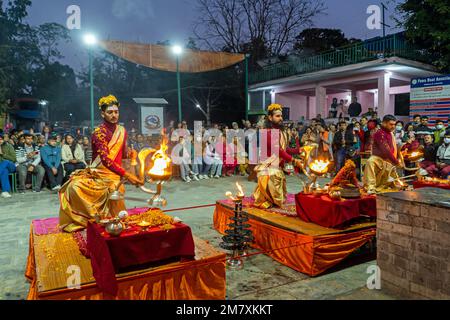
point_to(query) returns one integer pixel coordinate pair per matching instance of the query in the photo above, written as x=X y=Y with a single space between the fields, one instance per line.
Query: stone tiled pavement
x=262 y=278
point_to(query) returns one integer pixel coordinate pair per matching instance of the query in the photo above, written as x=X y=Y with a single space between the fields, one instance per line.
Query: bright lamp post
x=90 y=40
x=201 y=109
x=177 y=50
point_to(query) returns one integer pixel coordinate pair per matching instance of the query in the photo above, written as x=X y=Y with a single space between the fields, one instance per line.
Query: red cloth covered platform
x=52 y=254
x=330 y=213
x=134 y=247
x=300 y=245
x=424 y=184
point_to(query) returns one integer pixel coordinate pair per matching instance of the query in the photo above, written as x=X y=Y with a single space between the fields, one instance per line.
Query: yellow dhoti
x=86 y=194
x=271 y=189
x=377 y=174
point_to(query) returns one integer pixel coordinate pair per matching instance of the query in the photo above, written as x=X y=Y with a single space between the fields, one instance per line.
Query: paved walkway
x=262 y=278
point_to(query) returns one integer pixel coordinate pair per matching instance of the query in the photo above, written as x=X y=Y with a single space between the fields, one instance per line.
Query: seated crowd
x=336 y=142
x=39 y=160
x=51 y=159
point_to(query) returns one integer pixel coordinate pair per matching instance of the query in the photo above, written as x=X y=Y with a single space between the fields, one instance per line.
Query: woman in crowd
x=309 y=137
x=212 y=158
x=72 y=156
x=409 y=132
x=229 y=156
x=352 y=147
x=294 y=145
x=185 y=159
x=324 y=144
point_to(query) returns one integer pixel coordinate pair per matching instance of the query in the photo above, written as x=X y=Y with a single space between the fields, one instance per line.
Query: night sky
x=154 y=20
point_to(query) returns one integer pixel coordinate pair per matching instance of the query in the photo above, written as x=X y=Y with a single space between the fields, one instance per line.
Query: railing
x=392 y=45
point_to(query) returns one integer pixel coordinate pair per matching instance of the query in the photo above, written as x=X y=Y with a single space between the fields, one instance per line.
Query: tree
x=29 y=58
x=427 y=25
x=316 y=40
x=17 y=49
x=208 y=98
x=49 y=36
x=266 y=27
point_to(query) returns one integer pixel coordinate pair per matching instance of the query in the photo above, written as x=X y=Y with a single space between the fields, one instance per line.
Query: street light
x=178 y=50
x=201 y=109
x=91 y=40
x=71 y=124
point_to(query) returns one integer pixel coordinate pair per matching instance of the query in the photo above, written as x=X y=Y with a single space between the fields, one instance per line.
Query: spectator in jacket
x=51 y=161
x=355 y=109
x=28 y=161
x=72 y=156
x=429 y=150
x=443 y=157
x=439 y=132
x=423 y=129
x=7 y=166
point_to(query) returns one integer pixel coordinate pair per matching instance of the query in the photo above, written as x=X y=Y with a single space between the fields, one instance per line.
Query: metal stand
x=237 y=237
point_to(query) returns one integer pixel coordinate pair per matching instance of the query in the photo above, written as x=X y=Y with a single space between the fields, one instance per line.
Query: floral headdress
x=108 y=101
x=274 y=107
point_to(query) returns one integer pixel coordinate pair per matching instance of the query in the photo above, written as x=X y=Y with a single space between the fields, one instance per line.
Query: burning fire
x=161 y=162
x=160 y=159
x=319 y=166
x=240 y=193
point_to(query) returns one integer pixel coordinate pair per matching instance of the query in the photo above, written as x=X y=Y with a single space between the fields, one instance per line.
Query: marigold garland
x=275 y=107
x=108 y=101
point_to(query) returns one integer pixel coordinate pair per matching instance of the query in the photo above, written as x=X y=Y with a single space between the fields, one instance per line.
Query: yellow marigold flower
x=274 y=107
x=109 y=100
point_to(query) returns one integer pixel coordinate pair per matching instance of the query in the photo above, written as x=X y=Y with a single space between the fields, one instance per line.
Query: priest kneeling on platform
x=385 y=158
x=87 y=191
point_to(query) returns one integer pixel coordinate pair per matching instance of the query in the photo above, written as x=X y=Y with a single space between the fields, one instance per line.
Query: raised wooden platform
x=302 y=246
x=53 y=257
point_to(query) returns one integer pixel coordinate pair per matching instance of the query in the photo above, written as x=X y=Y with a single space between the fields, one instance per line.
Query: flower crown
x=274 y=107
x=108 y=101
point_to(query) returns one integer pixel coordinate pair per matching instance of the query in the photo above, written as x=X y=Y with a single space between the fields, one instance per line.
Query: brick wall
x=413 y=242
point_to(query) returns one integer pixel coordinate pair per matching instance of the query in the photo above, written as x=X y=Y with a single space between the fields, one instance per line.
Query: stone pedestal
x=413 y=240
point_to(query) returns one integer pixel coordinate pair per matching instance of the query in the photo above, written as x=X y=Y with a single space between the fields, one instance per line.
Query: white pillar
x=321 y=100
x=383 y=94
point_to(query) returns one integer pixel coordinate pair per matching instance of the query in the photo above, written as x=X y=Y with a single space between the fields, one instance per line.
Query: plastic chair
x=13 y=182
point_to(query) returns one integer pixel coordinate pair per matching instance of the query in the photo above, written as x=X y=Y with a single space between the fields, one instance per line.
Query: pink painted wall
x=295 y=102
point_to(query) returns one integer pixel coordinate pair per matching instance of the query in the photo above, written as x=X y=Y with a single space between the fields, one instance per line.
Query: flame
x=143 y=154
x=241 y=191
x=161 y=161
x=319 y=166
